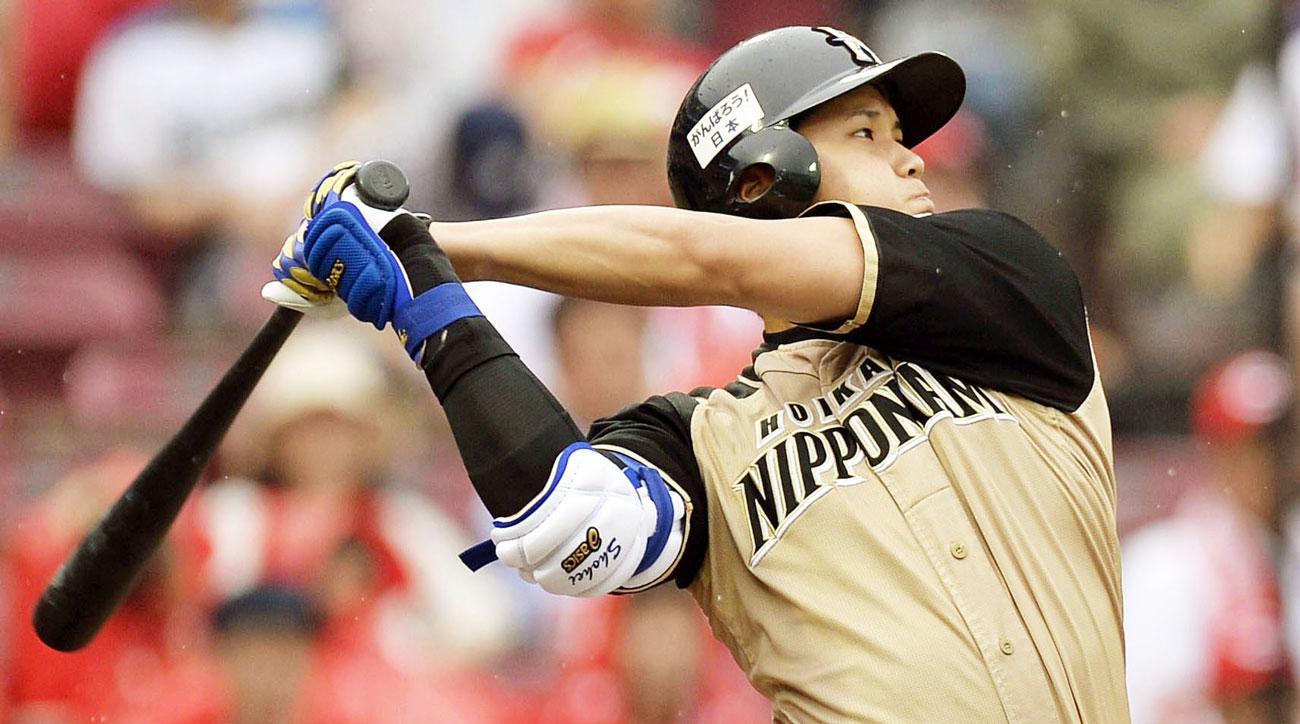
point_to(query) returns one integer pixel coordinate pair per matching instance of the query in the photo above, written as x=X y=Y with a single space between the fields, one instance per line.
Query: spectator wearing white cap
x=318 y=418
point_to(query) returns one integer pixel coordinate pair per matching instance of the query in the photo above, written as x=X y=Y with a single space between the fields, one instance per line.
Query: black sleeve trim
x=981 y=296
x=659 y=431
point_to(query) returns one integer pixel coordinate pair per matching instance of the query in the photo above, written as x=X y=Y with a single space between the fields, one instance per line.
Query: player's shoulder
x=993 y=217
x=983 y=216
x=977 y=227
x=992 y=223
x=1013 y=241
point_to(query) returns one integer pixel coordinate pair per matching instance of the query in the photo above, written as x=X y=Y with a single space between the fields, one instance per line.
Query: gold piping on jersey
x=870 y=264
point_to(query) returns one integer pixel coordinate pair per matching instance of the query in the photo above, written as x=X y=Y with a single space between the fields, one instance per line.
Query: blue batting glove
x=340 y=253
x=294 y=285
x=342 y=248
x=329 y=189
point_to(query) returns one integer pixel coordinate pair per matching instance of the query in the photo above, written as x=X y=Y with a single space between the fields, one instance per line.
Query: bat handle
x=382 y=185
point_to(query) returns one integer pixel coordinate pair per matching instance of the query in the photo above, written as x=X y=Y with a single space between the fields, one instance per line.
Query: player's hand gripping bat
x=93 y=581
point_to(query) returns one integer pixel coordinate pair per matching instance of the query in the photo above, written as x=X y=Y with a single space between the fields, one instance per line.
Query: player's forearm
x=623 y=254
x=799 y=269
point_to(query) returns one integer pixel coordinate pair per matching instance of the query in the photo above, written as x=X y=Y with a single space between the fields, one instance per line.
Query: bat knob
x=382 y=185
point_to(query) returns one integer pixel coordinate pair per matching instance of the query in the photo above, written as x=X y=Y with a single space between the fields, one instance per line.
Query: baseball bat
x=95 y=579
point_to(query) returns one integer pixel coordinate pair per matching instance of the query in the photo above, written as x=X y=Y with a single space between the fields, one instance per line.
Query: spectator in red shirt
x=1202 y=613
x=146 y=664
x=645 y=659
x=326 y=514
x=50 y=42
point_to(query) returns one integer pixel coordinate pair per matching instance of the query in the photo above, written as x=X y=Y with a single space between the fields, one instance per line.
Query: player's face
x=863 y=160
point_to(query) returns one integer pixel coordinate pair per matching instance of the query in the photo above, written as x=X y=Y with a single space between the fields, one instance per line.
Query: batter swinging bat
x=94 y=580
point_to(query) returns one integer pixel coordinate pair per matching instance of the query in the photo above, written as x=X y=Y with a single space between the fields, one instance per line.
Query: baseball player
x=903 y=510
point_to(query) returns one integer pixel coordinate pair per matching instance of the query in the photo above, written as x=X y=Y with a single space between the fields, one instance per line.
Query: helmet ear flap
x=797 y=173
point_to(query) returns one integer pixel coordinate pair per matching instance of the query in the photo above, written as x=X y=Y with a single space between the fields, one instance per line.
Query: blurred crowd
x=155 y=155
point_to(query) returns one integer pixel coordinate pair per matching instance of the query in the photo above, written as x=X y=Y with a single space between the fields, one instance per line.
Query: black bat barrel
x=102 y=571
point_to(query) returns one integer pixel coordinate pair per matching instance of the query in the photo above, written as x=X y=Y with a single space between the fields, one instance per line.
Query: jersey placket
x=941 y=526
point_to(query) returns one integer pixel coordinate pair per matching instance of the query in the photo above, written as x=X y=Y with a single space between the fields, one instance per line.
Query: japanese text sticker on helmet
x=727 y=119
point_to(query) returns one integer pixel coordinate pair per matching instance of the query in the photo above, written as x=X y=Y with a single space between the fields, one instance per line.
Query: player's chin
x=922 y=204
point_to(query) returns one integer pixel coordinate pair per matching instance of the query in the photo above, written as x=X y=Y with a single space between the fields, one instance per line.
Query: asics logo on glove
x=336 y=273
x=584 y=549
x=596 y=527
x=606 y=558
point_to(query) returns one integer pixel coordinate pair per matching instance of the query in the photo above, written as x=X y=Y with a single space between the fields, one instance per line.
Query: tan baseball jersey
x=910 y=517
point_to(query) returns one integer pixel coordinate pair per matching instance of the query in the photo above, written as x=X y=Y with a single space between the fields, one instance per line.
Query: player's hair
x=271 y=609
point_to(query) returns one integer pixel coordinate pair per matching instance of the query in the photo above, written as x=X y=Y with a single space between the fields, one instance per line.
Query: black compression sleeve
x=507 y=425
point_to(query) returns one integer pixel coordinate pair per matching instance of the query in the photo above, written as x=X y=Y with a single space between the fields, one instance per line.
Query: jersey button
x=1007 y=647
x=958 y=551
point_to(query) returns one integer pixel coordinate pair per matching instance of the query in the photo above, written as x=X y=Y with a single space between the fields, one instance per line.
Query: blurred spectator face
x=1232 y=410
x=627 y=179
x=319 y=412
x=600 y=349
x=219 y=11
x=612 y=117
x=264 y=643
x=1245 y=471
x=659 y=655
x=350 y=578
x=862 y=158
x=619 y=140
x=324 y=447
x=266 y=668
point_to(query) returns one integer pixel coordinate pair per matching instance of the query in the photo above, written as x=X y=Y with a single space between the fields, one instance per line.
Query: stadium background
x=155 y=153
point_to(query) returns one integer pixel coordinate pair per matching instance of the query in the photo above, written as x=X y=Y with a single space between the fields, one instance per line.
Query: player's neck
x=772 y=326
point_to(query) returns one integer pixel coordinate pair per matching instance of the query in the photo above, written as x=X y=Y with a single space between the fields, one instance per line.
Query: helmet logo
x=862 y=55
x=728 y=118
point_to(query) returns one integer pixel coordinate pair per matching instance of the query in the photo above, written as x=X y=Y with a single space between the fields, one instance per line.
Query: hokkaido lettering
x=875 y=415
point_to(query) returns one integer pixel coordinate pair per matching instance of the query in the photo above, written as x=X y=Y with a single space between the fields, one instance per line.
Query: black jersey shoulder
x=976 y=294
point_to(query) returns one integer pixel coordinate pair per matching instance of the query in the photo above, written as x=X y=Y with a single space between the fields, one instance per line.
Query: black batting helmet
x=737 y=114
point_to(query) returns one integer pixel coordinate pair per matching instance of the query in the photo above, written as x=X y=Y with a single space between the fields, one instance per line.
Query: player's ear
x=755 y=181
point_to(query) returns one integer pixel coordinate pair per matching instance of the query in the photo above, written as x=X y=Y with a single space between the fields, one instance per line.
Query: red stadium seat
x=60 y=298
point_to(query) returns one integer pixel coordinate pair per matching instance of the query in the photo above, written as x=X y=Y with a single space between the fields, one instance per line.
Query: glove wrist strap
x=430 y=313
